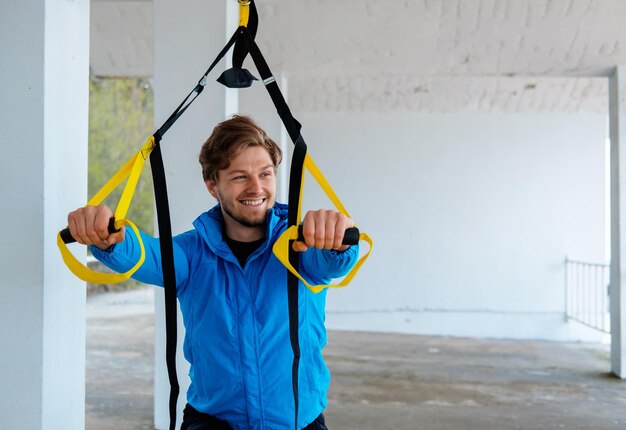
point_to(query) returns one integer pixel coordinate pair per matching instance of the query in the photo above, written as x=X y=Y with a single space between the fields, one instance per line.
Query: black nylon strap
x=165 y=235
x=169 y=274
x=295 y=187
x=182 y=107
x=240 y=51
x=293 y=283
x=291 y=124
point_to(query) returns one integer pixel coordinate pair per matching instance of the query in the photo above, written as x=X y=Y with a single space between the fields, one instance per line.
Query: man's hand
x=323 y=229
x=89 y=225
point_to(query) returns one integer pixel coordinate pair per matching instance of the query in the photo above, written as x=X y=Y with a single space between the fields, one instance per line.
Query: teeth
x=252 y=202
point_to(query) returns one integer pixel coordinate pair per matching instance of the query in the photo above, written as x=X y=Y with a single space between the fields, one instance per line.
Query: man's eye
x=239 y=178
x=266 y=174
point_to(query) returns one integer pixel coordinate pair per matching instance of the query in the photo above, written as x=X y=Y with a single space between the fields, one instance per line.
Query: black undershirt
x=242 y=250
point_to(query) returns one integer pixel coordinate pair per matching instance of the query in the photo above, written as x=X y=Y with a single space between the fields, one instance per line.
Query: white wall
x=472 y=216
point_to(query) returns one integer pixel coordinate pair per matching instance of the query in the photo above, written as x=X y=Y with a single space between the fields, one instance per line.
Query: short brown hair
x=228 y=139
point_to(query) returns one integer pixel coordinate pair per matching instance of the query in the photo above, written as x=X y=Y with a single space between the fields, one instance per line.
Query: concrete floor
x=381 y=381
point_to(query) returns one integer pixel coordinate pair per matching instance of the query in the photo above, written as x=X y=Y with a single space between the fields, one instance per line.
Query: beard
x=247 y=221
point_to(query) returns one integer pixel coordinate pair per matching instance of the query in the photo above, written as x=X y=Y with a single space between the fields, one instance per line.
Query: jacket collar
x=209 y=227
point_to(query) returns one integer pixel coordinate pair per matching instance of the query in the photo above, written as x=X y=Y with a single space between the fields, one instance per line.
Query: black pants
x=194 y=420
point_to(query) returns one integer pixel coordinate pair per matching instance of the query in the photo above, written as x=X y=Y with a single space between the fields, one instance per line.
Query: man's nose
x=254 y=185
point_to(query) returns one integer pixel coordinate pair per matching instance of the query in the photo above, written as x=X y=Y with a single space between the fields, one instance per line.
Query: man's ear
x=212 y=187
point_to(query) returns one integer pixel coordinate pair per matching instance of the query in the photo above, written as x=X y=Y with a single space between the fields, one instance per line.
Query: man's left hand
x=323 y=229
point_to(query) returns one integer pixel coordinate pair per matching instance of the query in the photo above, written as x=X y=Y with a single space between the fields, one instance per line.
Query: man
x=232 y=289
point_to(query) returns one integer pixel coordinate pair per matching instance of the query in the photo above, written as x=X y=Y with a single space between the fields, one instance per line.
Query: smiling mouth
x=256 y=202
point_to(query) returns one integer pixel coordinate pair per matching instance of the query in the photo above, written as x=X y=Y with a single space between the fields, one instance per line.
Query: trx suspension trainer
x=235 y=77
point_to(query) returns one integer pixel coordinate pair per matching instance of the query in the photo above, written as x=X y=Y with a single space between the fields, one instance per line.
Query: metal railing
x=587 y=289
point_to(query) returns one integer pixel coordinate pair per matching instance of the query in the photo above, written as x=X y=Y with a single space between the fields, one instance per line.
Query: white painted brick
x=402 y=93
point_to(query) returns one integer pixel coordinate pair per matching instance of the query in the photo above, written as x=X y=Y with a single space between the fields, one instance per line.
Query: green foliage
x=120 y=121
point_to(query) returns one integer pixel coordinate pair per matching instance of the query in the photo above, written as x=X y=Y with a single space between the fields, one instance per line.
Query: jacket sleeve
x=124 y=255
x=320 y=266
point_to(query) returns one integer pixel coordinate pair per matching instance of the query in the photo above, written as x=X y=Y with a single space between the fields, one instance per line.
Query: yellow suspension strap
x=283 y=247
x=131 y=171
x=352 y=236
x=244 y=12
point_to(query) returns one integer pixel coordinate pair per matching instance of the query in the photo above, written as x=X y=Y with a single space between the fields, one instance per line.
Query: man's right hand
x=89 y=225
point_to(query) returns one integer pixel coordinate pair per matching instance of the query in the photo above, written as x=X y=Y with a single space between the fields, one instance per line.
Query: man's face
x=246 y=190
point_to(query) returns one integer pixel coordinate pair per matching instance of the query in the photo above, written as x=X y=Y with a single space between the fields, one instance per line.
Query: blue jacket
x=236 y=321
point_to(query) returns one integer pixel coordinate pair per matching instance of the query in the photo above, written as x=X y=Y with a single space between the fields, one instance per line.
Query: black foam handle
x=66 y=237
x=351 y=236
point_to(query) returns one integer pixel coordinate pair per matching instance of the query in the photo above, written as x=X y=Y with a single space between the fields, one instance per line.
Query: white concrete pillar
x=617 y=118
x=44 y=70
x=188 y=36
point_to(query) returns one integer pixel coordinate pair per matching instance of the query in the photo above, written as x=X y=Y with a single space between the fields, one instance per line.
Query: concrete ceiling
x=430 y=41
